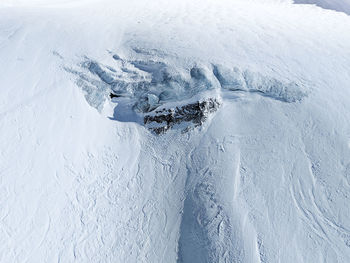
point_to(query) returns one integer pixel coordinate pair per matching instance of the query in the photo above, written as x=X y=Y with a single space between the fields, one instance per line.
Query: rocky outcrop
x=150 y=85
x=187 y=116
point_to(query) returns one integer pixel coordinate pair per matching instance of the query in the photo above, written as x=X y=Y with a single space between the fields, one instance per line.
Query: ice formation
x=152 y=84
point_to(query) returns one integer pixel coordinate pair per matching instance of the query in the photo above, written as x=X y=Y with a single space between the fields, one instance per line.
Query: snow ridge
x=150 y=83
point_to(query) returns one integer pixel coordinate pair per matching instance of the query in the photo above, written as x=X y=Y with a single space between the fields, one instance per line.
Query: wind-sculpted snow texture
x=150 y=84
x=174 y=131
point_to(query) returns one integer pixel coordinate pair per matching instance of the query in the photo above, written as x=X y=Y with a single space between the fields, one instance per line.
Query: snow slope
x=340 y=6
x=265 y=178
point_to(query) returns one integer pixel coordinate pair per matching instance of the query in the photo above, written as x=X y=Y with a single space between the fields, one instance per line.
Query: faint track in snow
x=303 y=191
x=211 y=229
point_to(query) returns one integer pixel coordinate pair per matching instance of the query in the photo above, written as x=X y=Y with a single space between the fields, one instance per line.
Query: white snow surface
x=264 y=179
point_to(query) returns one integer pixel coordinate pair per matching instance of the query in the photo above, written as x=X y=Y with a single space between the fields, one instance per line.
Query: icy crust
x=150 y=83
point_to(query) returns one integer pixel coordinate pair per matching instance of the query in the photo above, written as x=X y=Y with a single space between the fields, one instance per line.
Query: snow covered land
x=339 y=5
x=185 y=131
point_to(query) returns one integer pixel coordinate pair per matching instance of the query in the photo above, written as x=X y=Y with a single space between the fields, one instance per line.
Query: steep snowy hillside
x=174 y=131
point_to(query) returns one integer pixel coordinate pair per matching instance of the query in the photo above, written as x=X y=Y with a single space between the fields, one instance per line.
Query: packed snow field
x=174 y=131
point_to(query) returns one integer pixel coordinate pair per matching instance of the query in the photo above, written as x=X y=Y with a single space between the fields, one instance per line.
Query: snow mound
x=149 y=81
x=236 y=80
x=266 y=178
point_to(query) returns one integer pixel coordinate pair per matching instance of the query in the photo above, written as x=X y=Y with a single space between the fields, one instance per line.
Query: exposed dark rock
x=194 y=114
x=148 y=83
x=114 y=95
